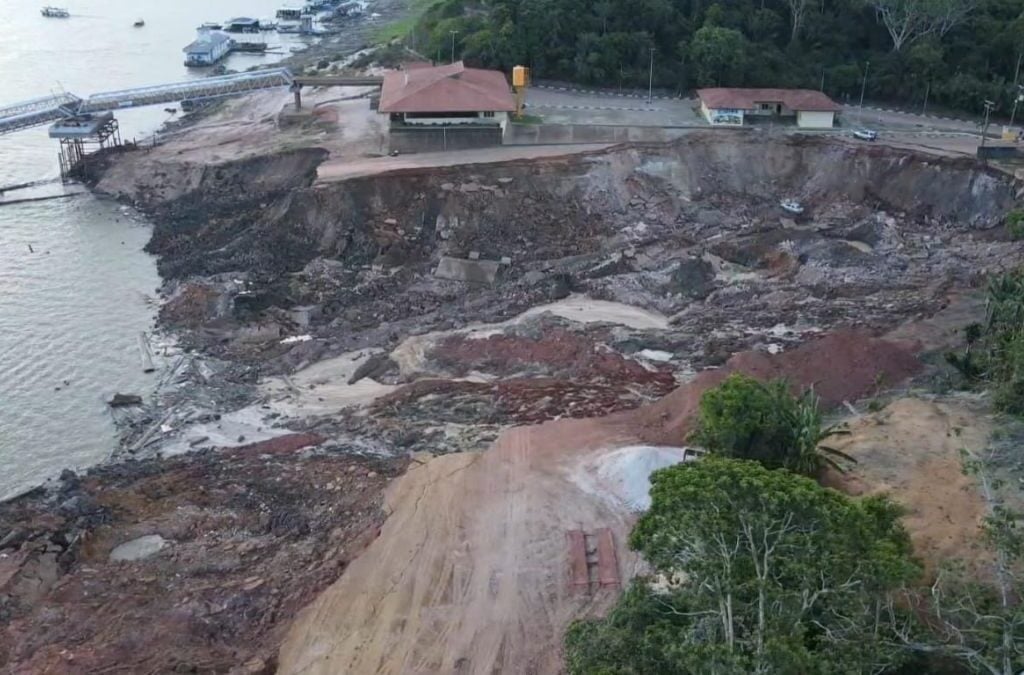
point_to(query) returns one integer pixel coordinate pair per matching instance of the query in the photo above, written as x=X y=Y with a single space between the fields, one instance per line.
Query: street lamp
x=454 y=33
x=1016 y=100
x=989 y=105
x=863 y=86
x=650 y=80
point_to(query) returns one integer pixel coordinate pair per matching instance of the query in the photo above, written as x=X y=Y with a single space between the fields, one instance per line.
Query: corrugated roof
x=206 y=41
x=451 y=88
x=747 y=99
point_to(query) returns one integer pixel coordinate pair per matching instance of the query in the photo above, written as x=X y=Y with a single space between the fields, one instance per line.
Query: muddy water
x=71 y=310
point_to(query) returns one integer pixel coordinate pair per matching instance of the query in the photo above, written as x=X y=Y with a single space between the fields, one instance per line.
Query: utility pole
x=650 y=80
x=454 y=33
x=863 y=86
x=989 y=105
x=1016 y=100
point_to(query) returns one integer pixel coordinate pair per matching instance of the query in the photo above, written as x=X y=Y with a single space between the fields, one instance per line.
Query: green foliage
x=797 y=43
x=1015 y=224
x=718 y=56
x=747 y=419
x=994 y=351
x=779 y=575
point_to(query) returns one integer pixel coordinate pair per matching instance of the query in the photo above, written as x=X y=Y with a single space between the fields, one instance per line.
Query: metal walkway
x=37 y=111
x=51 y=108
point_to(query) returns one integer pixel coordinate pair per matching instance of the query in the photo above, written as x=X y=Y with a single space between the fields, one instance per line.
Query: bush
x=747 y=419
x=1015 y=224
x=775 y=574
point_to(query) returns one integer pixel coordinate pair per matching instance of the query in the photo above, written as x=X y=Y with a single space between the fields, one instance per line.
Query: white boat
x=55 y=12
x=792 y=205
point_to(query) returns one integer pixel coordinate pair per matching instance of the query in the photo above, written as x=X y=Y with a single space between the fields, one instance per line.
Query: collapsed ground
x=428 y=310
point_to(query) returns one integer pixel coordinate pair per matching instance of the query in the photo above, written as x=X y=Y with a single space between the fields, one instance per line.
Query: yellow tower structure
x=520 y=81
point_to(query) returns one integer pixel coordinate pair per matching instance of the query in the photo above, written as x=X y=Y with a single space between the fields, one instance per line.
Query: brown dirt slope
x=911 y=451
x=469 y=574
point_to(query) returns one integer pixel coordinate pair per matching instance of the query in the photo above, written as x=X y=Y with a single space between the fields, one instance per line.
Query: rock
x=469 y=187
x=138 y=549
x=375 y=366
x=124 y=400
x=474 y=255
x=693 y=278
x=13 y=538
x=79 y=505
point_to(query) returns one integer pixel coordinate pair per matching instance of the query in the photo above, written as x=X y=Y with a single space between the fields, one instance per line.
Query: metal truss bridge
x=47 y=109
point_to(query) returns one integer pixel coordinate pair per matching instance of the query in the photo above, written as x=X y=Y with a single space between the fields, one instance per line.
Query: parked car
x=865 y=134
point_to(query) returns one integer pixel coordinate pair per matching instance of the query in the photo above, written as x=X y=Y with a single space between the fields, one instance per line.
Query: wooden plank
x=579 y=576
x=607 y=560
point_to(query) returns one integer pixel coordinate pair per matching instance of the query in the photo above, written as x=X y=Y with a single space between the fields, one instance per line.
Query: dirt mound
x=842 y=366
x=470 y=572
x=911 y=451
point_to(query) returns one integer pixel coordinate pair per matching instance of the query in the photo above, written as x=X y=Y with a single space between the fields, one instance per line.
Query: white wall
x=814 y=120
x=499 y=118
x=721 y=118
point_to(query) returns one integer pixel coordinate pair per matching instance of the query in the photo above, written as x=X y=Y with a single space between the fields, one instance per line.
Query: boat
x=55 y=12
x=139 y=23
x=792 y=206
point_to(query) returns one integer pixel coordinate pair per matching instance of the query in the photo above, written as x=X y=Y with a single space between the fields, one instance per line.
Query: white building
x=209 y=47
x=732 y=107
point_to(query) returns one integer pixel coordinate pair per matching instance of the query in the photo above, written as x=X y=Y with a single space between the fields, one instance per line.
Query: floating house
x=208 y=48
x=242 y=24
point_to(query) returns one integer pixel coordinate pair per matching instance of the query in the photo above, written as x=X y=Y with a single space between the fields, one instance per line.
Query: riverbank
x=338 y=329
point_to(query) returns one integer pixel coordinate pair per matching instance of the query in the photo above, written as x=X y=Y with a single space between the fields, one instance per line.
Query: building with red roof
x=731 y=106
x=446 y=95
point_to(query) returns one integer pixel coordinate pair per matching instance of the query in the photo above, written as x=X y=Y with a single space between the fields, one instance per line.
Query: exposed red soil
x=558 y=352
x=841 y=366
x=522 y=400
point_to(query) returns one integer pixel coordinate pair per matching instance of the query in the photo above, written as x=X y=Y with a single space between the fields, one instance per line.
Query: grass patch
x=528 y=119
x=401 y=27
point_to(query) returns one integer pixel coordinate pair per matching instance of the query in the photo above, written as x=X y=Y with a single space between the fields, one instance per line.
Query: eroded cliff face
x=264 y=215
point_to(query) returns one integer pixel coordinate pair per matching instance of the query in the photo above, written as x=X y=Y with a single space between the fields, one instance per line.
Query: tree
x=909 y=20
x=717 y=55
x=775 y=574
x=797 y=9
x=747 y=419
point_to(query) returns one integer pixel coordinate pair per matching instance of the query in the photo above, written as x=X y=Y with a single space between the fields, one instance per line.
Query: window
x=488 y=114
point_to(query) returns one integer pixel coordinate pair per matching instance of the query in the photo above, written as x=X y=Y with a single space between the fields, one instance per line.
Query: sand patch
x=911 y=451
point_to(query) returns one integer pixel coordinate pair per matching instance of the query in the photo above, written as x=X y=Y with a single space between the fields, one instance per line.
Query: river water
x=71 y=308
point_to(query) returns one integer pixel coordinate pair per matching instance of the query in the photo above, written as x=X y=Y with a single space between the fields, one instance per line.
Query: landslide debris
x=247 y=538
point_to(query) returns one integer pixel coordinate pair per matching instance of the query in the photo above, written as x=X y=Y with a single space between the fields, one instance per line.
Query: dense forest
x=937 y=53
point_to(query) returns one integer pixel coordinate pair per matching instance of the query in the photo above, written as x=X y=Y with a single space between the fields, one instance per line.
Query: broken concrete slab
x=138 y=549
x=470 y=271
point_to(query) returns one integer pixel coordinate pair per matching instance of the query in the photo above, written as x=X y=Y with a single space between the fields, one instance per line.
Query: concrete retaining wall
x=408 y=139
x=542 y=134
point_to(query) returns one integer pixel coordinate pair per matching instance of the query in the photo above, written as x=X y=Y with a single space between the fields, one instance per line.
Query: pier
x=83 y=123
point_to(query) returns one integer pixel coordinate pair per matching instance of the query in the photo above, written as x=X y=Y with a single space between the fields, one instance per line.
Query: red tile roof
x=747 y=99
x=451 y=88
